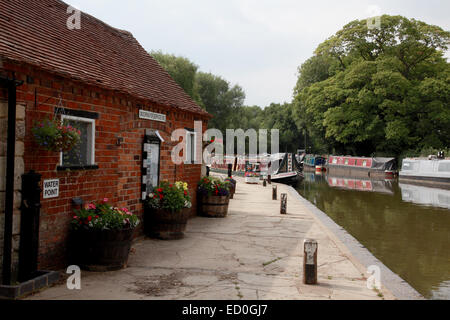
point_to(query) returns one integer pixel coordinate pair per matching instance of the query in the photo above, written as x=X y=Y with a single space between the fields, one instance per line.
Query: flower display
x=252 y=174
x=170 y=196
x=54 y=135
x=103 y=216
x=211 y=186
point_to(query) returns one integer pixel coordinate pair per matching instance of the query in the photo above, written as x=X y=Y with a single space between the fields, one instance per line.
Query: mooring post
x=274 y=192
x=230 y=169
x=269 y=179
x=207 y=171
x=283 y=209
x=310 y=261
x=265 y=183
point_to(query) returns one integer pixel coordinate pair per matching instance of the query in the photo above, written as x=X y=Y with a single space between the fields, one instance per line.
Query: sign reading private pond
x=51 y=188
x=144 y=114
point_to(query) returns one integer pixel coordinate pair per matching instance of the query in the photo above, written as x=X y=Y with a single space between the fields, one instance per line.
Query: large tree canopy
x=377 y=90
x=182 y=70
x=219 y=99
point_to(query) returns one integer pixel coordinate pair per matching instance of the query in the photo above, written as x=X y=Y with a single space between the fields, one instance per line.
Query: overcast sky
x=257 y=44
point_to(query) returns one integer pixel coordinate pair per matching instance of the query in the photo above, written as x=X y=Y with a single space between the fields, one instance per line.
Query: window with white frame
x=190 y=147
x=82 y=154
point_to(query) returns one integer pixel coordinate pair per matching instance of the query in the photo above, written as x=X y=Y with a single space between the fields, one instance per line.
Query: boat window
x=407 y=166
x=346 y=161
x=364 y=163
x=444 y=167
x=334 y=160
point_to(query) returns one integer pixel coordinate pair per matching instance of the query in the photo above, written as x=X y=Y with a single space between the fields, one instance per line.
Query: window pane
x=80 y=155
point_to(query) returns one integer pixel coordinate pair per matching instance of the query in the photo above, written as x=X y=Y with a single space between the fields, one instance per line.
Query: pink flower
x=75 y=217
x=105 y=200
x=92 y=206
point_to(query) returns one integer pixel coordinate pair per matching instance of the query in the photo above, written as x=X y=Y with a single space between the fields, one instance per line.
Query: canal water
x=405 y=226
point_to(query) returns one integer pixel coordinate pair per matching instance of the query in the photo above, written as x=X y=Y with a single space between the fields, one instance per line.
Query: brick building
x=101 y=79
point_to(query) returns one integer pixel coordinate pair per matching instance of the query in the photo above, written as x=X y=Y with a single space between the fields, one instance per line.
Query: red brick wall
x=119 y=175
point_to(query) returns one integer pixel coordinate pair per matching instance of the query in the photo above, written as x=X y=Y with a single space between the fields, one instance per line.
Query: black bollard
x=310 y=261
x=283 y=207
x=274 y=193
x=265 y=183
x=207 y=171
x=230 y=169
x=269 y=179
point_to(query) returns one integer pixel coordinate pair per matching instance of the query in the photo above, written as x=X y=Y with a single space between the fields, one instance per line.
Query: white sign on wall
x=144 y=114
x=51 y=188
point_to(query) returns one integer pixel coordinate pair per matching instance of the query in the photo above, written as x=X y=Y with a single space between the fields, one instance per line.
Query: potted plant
x=214 y=197
x=232 y=183
x=101 y=236
x=167 y=211
x=56 y=136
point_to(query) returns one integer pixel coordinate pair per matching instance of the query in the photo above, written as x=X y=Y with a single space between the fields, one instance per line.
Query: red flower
x=170 y=185
x=160 y=190
x=185 y=192
x=89 y=218
x=96 y=217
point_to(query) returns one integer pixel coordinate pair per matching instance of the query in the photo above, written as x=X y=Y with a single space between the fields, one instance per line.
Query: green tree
x=182 y=70
x=386 y=90
x=219 y=98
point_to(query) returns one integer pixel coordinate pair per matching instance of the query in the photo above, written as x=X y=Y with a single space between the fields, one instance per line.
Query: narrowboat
x=287 y=169
x=348 y=166
x=282 y=167
x=434 y=172
x=314 y=163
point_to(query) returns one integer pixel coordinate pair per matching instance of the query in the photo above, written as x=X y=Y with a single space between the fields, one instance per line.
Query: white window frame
x=191 y=159
x=91 y=135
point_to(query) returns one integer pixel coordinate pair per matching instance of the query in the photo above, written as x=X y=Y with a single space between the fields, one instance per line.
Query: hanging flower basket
x=56 y=136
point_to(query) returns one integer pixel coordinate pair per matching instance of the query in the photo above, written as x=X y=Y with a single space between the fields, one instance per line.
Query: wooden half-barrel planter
x=100 y=250
x=214 y=206
x=164 y=224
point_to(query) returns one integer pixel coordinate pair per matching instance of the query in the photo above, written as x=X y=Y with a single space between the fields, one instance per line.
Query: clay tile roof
x=36 y=32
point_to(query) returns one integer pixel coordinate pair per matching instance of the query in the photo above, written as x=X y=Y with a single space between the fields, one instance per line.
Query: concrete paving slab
x=254 y=253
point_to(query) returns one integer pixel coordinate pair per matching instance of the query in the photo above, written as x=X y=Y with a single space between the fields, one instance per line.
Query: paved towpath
x=254 y=253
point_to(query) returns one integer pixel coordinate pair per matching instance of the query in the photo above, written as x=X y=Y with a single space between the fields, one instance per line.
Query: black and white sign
x=144 y=114
x=51 y=189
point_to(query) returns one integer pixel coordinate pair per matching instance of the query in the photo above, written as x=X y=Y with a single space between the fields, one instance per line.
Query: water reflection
x=425 y=195
x=412 y=239
x=367 y=185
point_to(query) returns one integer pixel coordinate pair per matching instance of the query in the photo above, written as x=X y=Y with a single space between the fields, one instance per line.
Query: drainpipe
x=9 y=195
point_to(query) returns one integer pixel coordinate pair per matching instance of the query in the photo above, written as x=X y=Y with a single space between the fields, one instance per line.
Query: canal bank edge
x=359 y=255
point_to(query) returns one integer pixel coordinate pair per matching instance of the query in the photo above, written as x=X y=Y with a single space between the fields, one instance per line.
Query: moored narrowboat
x=314 y=163
x=348 y=166
x=435 y=172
